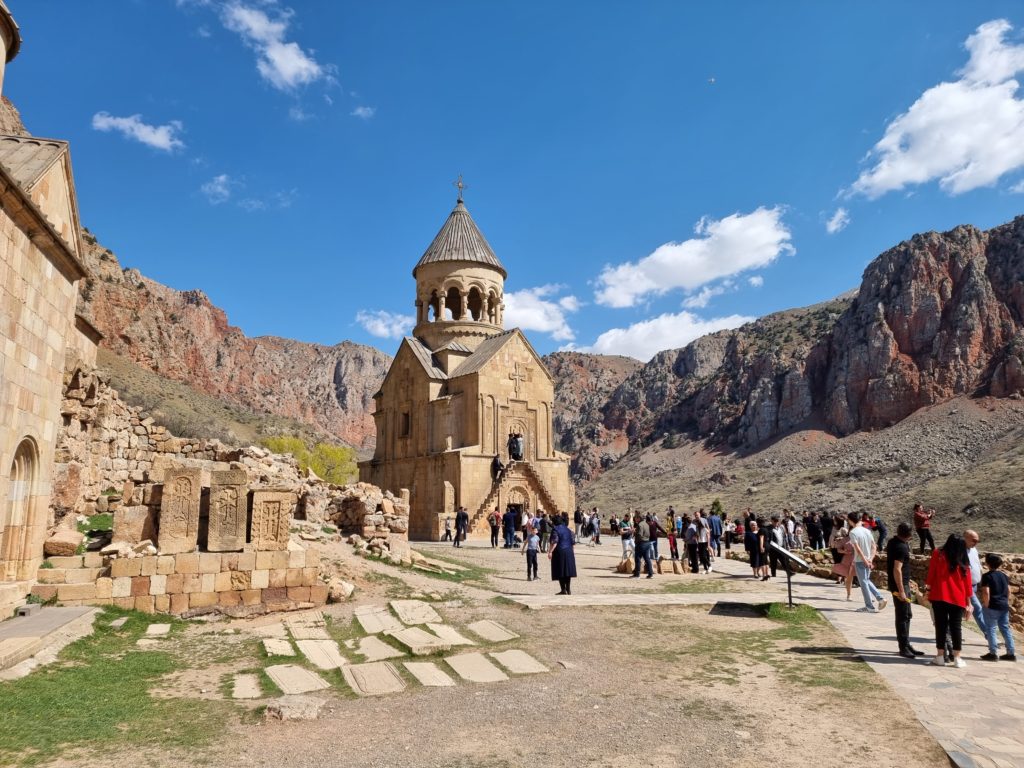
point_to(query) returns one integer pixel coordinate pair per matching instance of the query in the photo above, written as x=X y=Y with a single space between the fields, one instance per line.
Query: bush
x=333 y=463
x=716 y=507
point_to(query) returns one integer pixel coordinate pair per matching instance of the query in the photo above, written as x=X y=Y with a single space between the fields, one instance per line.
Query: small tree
x=287 y=444
x=716 y=508
x=334 y=463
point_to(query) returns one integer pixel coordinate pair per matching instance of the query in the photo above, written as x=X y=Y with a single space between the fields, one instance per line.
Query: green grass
x=97 y=696
x=103 y=521
x=470 y=573
x=706 y=586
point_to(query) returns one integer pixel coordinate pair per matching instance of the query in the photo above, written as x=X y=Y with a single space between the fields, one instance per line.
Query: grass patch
x=97 y=695
x=696 y=587
x=394 y=587
x=104 y=521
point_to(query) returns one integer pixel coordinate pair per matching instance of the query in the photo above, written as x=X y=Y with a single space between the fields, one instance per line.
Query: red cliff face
x=181 y=335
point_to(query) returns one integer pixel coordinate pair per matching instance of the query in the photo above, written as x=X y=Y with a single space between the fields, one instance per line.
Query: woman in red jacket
x=949 y=590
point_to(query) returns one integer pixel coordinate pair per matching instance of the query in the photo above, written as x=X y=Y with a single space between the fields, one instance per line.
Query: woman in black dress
x=563 y=560
x=752 y=543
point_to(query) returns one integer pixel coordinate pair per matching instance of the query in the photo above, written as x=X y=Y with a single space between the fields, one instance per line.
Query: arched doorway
x=18 y=509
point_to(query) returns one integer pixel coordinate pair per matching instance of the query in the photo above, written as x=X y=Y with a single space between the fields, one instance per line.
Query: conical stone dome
x=460 y=240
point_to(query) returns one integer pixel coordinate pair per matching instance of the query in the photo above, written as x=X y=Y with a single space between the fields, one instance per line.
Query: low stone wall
x=821 y=566
x=188 y=584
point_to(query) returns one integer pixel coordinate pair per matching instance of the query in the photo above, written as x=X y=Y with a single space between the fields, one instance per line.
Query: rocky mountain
x=181 y=335
x=938 y=316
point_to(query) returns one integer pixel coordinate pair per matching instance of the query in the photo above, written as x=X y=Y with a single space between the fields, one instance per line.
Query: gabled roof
x=454 y=346
x=27 y=158
x=460 y=240
x=426 y=359
x=489 y=349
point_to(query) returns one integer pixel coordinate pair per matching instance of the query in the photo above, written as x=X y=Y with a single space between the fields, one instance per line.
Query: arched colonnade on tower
x=456 y=300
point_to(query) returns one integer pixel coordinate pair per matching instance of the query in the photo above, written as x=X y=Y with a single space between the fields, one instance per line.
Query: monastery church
x=458 y=388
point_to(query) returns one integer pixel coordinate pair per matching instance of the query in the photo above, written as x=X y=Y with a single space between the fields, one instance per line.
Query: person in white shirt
x=971 y=539
x=863 y=558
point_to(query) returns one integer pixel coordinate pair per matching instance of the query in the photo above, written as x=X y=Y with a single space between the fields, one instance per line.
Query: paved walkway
x=23 y=636
x=976 y=714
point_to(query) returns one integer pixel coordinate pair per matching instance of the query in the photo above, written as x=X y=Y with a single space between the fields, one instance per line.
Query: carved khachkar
x=228 y=496
x=179 y=510
x=271 y=514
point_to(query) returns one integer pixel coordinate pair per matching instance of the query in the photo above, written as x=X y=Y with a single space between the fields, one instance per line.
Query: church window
x=453 y=304
x=476 y=304
x=404 y=424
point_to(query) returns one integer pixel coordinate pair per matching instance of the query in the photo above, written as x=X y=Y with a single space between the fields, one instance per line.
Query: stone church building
x=40 y=334
x=455 y=392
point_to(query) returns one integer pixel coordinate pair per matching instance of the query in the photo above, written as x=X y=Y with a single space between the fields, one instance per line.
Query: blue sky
x=646 y=171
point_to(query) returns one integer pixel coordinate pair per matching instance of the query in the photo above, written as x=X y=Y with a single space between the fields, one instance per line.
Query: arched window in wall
x=20 y=491
x=453 y=303
x=476 y=303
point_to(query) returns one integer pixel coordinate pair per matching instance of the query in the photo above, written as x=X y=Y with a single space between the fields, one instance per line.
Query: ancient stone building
x=457 y=388
x=41 y=266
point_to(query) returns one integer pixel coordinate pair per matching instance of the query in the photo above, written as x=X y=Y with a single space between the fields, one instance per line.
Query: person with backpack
x=577 y=520
x=494 y=520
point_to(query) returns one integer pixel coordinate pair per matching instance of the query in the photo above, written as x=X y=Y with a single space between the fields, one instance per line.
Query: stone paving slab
x=492 y=631
x=158 y=630
x=246 y=686
x=269 y=630
x=375 y=649
x=277 y=647
x=311 y=619
x=419 y=641
x=415 y=611
x=475 y=668
x=429 y=674
x=519 y=662
x=376 y=618
x=537 y=602
x=449 y=634
x=118 y=623
x=306 y=632
x=24 y=636
x=375 y=679
x=322 y=653
x=293 y=679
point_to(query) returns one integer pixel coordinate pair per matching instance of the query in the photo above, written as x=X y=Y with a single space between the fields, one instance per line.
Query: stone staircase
x=547 y=502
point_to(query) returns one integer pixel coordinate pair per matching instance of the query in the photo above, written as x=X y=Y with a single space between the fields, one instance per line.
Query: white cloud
x=298 y=114
x=645 y=339
x=364 y=113
x=756 y=281
x=162 y=137
x=700 y=300
x=838 y=221
x=384 y=324
x=532 y=310
x=723 y=247
x=218 y=189
x=285 y=65
x=966 y=134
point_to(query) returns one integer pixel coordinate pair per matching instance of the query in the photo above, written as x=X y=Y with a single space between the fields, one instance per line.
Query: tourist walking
x=897 y=570
x=827 y=524
x=447 y=528
x=923 y=525
x=774 y=533
x=562 y=557
x=752 y=544
x=494 y=520
x=690 y=540
x=883 y=532
x=971 y=539
x=656 y=531
x=949 y=590
x=704 y=544
x=530 y=546
x=815 y=538
x=715 y=530
x=843 y=567
x=729 y=531
x=545 y=530
x=994 y=592
x=577 y=521
x=595 y=527
x=863 y=559
x=642 y=537
x=626 y=534
x=461 y=526
x=508 y=526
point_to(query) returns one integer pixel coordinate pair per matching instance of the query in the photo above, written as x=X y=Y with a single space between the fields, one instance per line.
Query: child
x=530 y=547
x=672 y=548
x=994 y=593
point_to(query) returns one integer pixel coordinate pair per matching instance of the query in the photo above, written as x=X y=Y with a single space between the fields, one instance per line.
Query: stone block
x=260 y=579
x=191 y=582
x=278 y=578
x=92 y=560
x=63 y=543
x=202 y=599
x=209 y=562
x=272 y=560
x=67 y=592
x=44 y=591
x=51 y=575
x=187 y=563
x=208 y=582
x=165 y=565
x=313 y=557
x=310 y=576
x=293 y=577
x=126 y=566
x=318 y=594
x=144 y=603
x=228 y=510
x=179 y=603
x=140 y=586
x=104 y=587
x=125 y=602
x=121 y=587
x=240 y=580
x=246 y=561
x=298 y=594
x=222 y=582
x=230 y=598
x=252 y=596
x=272 y=594
x=135 y=524
x=81 y=575
x=77 y=561
x=162 y=603
x=271 y=515
x=179 y=510
x=173 y=583
x=148 y=566
x=229 y=562
x=157 y=585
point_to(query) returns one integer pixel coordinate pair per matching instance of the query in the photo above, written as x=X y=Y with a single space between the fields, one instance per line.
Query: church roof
x=425 y=357
x=454 y=346
x=27 y=158
x=487 y=349
x=460 y=240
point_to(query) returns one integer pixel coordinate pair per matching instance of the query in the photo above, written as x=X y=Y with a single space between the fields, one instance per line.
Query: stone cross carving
x=179 y=510
x=227 y=523
x=271 y=514
x=518 y=377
